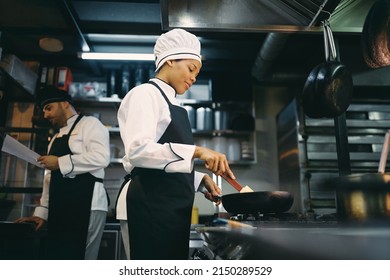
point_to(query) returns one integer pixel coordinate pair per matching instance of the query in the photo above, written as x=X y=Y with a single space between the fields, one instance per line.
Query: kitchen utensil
x=364 y=197
x=236 y=185
x=328 y=88
x=375 y=35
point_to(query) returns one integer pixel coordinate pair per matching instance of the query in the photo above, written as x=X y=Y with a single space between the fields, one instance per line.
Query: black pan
x=258 y=202
x=255 y=202
x=376 y=35
x=328 y=88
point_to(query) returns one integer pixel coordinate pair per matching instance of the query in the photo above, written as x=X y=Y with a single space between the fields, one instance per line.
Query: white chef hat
x=176 y=44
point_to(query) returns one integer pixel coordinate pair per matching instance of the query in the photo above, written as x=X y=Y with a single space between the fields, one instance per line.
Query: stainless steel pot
x=364 y=197
x=204 y=118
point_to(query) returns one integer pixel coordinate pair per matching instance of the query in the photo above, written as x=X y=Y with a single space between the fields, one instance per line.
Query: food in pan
x=246 y=189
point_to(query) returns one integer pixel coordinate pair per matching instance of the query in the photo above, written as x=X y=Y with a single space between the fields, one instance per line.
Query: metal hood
x=264 y=15
x=249 y=15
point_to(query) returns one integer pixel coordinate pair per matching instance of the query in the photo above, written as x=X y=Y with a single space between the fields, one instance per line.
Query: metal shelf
x=19 y=92
x=25 y=129
x=227 y=132
x=20 y=190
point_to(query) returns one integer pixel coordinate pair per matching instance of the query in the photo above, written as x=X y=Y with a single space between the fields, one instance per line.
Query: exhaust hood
x=249 y=15
x=264 y=15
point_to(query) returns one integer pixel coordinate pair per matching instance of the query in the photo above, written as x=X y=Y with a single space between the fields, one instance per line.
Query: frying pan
x=328 y=88
x=375 y=35
x=255 y=202
x=258 y=202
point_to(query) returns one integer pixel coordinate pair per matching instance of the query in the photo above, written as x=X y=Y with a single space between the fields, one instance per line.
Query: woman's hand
x=214 y=161
x=211 y=191
x=39 y=222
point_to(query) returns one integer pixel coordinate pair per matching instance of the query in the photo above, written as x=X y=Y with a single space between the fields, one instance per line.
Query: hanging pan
x=327 y=92
x=376 y=35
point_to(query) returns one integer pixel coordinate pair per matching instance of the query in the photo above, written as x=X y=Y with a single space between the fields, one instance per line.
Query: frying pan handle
x=384 y=153
x=326 y=41
x=203 y=190
x=330 y=47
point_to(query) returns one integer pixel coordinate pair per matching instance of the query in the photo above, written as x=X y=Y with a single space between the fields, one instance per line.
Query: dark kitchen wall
x=232 y=86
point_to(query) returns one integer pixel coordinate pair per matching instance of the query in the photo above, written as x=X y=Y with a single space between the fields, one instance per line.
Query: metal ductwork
x=270 y=50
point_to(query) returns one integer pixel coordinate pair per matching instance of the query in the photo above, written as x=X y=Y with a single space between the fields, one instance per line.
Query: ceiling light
x=121 y=38
x=51 y=44
x=117 y=56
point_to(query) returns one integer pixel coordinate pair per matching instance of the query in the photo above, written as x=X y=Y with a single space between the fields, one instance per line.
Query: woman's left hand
x=212 y=192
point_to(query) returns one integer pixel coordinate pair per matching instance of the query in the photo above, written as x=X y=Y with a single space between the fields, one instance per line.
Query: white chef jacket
x=90 y=145
x=143 y=117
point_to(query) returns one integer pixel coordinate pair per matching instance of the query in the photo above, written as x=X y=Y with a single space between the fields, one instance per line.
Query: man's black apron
x=69 y=207
x=159 y=204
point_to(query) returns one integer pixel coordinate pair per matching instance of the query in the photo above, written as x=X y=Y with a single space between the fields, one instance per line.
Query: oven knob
x=199 y=254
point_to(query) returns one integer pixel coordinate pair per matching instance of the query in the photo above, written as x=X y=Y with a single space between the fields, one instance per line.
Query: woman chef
x=160 y=153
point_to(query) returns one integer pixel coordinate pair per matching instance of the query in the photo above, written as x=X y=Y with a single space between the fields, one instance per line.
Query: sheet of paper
x=14 y=147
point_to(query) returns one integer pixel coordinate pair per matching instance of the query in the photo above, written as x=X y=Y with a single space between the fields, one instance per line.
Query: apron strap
x=74 y=124
x=162 y=92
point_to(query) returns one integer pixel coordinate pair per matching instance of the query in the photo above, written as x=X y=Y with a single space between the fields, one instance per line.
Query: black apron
x=69 y=207
x=159 y=204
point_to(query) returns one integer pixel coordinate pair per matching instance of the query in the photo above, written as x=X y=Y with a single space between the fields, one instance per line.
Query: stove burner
x=285 y=218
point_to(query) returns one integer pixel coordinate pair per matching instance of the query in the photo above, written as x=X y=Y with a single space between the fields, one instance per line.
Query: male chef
x=74 y=201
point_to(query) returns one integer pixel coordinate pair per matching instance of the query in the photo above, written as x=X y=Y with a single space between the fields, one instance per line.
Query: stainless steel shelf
x=20 y=93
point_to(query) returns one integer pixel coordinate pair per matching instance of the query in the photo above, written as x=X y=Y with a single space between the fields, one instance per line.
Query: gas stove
x=293 y=236
x=285 y=218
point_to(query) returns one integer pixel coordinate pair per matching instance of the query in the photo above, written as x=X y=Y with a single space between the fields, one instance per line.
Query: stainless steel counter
x=297 y=242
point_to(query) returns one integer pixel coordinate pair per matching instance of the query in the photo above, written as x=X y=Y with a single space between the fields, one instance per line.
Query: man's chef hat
x=50 y=94
x=176 y=44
